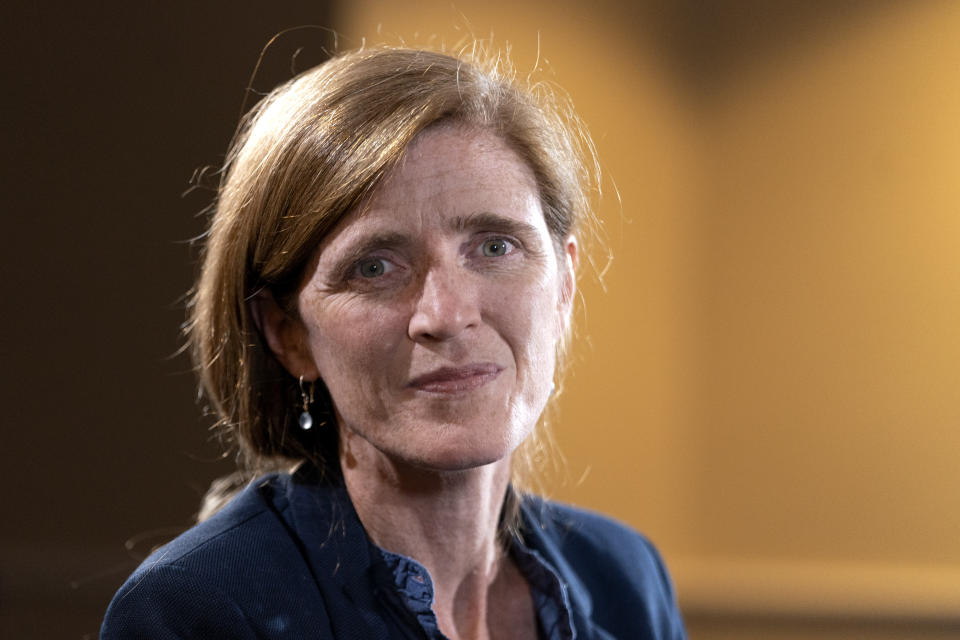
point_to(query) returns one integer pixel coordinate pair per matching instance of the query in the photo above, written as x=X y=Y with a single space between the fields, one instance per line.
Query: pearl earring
x=306 y=420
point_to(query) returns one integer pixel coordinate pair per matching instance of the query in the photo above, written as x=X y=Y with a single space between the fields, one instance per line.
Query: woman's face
x=433 y=313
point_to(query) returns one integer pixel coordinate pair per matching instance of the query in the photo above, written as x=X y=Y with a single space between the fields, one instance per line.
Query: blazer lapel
x=336 y=548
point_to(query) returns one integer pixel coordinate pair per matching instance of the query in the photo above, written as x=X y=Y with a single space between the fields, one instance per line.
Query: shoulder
x=220 y=578
x=598 y=538
x=616 y=569
x=226 y=542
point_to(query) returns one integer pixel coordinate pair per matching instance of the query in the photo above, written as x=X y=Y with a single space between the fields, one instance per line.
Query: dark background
x=109 y=109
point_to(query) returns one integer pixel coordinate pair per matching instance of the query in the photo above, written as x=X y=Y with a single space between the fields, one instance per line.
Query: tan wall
x=768 y=386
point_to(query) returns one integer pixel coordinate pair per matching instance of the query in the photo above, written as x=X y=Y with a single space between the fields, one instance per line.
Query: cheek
x=534 y=328
x=534 y=343
x=351 y=342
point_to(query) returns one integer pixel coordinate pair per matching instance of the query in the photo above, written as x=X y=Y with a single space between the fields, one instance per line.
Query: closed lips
x=456 y=378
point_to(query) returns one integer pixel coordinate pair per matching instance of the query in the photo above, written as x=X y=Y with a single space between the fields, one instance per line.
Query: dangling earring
x=306 y=420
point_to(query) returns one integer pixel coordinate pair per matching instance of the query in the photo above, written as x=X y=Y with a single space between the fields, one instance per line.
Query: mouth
x=456 y=379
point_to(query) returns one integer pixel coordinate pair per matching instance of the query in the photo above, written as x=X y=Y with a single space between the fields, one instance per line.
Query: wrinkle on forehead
x=460 y=142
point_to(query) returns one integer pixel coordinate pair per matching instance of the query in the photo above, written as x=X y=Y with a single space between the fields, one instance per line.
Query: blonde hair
x=305 y=156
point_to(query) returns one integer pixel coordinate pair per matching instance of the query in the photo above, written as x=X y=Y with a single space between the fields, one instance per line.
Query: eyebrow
x=485 y=220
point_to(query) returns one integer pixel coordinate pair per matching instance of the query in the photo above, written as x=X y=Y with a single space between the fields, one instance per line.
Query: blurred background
x=766 y=382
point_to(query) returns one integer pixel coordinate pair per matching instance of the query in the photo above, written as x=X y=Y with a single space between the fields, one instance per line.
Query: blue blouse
x=289 y=558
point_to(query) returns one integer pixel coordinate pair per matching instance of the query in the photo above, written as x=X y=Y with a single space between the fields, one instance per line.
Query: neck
x=446 y=520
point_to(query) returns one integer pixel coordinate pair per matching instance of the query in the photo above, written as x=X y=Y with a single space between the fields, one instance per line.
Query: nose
x=447 y=305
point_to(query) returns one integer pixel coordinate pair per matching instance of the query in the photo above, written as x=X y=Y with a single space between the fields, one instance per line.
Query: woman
x=386 y=286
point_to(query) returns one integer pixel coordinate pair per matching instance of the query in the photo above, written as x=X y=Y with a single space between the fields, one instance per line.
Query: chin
x=455 y=459
x=457 y=451
x=444 y=445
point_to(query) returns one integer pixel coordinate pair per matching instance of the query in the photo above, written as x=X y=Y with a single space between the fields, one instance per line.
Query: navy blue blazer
x=288 y=558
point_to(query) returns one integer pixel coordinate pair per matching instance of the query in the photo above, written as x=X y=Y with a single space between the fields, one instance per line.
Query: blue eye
x=495 y=247
x=373 y=268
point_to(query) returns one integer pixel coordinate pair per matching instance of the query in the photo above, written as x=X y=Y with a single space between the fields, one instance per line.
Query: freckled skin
x=450 y=264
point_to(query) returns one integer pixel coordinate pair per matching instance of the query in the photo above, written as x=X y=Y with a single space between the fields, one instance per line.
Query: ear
x=285 y=335
x=568 y=284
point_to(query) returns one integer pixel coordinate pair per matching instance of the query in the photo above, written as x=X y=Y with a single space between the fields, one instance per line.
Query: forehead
x=451 y=156
x=449 y=172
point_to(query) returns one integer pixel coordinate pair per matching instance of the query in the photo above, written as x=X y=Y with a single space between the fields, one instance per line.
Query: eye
x=374 y=267
x=496 y=247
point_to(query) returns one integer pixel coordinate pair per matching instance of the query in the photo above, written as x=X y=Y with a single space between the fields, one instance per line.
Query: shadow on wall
x=110 y=107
